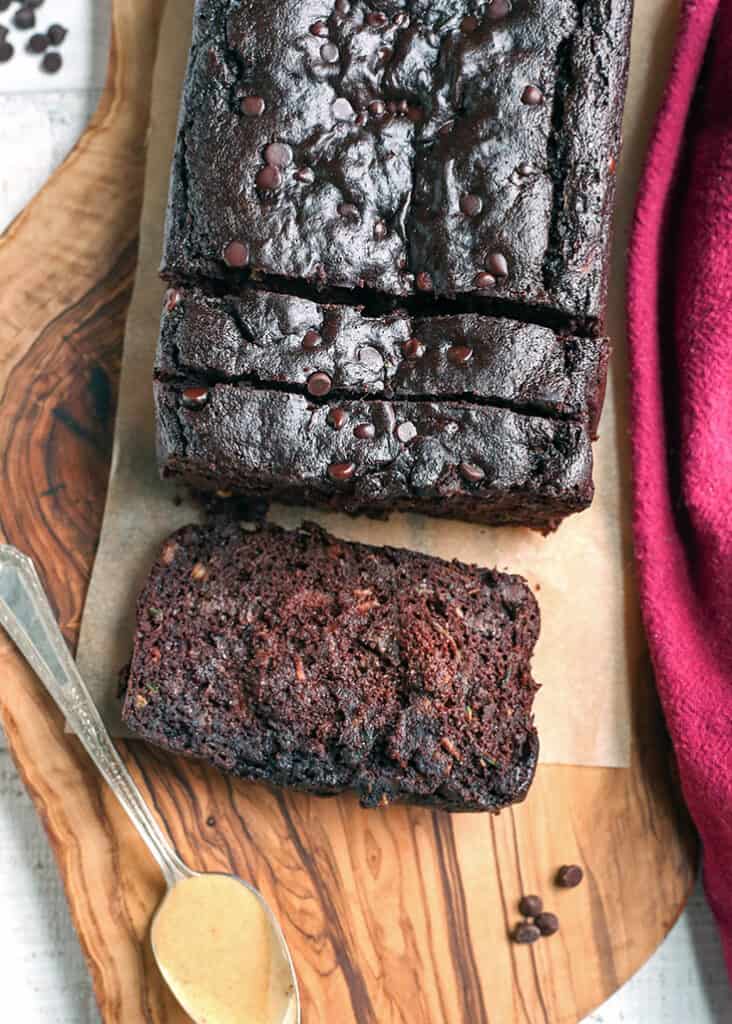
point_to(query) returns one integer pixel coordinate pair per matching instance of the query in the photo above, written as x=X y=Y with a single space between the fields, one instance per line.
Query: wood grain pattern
x=393 y=916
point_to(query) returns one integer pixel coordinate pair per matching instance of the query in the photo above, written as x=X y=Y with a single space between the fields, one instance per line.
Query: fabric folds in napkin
x=680 y=328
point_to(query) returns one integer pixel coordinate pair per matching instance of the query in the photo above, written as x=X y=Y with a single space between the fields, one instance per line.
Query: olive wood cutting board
x=396 y=915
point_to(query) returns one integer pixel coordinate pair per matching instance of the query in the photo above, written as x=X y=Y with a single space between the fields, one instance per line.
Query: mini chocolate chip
x=376 y=19
x=525 y=169
x=311 y=340
x=459 y=355
x=337 y=417
x=401 y=20
x=469 y=23
x=498 y=8
x=172 y=297
x=252 y=106
x=365 y=431
x=56 y=34
x=305 y=174
x=402 y=106
x=471 y=205
x=413 y=349
x=38 y=42
x=236 y=254
x=341 y=470
x=424 y=281
x=525 y=933
x=195 y=398
x=472 y=473
x=569 y=876
x=319 y=384
x=268 y=178
x=377 y=108
x=348 y=211
x=362 y=119
x=329 y=53
x=532 y=96
x=405 y=432
x=6 y=52
x=530 y=906
x=278 y=154
x=51 y=62
x=497 y=264
x=319 y=28
x=547 y=923
x=380 y=231
x=24 y=18
x=342 y=109
x=484 y=280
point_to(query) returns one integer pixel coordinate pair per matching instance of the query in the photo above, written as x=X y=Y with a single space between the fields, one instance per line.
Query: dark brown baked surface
x=305 y=661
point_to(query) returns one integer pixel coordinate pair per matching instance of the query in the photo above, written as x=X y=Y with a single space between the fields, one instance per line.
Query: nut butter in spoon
x=217 y=947
x=216 y=941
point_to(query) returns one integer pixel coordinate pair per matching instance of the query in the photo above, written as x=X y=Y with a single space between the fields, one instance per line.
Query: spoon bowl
x=216 y=941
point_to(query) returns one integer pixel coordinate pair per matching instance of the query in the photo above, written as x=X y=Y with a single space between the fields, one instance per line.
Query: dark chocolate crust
x=492 y=172
x=274 y=340
x=308 y=662
x=480 y=463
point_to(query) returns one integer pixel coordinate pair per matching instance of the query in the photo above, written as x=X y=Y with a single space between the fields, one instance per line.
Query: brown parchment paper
x=591 y=647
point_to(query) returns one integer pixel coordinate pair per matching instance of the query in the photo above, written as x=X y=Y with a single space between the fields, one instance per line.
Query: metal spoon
x=28 y=618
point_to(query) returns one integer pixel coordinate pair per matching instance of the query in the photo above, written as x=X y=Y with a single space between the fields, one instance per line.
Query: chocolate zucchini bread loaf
x=305 y=661
x=387 y=244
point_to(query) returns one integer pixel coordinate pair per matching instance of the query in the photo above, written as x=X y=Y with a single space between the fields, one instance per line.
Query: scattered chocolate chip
x=497 y=264
x=173 y=297
x=341 y=470
x=569 y=876
x=236 y=254
x=51 y=62
x=376 y=19
x=472 y=473
x=402 y=107
x=525 y=169
x=319 y=384
x=24 y=18
x=252 y=106
x=484 y=280
x=532 y=96
x=38 y=42
x=362 y=119
x=195 y=398
x=342 y=109
x=6 y=52
x=459 y=355
x=548 y=924
x=337 y=417
x=278 y=154
x=319 y=28
x=305 y=174
x=525 y=933
x=380 y=231
x=413 y=349
x=348 y=211
x=377 y=108
x=365 y=431
x=469 y=24
x=311 y=340
x=498 y=8
x=424 y=282
x=268 y=178
x=401 y=20
x=530 y=906
x=57 y=34
x=329 y=53
x=199 y=572
x=471 y=205
x=405 y=432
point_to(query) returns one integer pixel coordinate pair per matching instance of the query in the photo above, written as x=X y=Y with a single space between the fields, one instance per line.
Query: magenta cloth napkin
x=680 y=329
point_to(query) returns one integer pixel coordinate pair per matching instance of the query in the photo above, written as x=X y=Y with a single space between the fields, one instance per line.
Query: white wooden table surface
x=44 y=978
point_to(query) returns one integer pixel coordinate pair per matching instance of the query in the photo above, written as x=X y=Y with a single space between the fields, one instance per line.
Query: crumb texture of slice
x=309 y=662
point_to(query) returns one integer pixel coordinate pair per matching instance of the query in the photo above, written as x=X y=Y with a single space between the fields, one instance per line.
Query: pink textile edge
x=691 y=679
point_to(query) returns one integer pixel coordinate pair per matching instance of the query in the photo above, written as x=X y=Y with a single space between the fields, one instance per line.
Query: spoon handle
x=29 y=620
